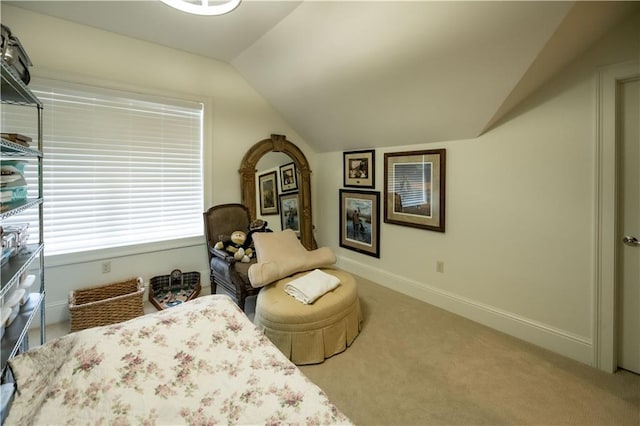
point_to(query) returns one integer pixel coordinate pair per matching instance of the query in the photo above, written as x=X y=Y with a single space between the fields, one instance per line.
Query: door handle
x=631 y=241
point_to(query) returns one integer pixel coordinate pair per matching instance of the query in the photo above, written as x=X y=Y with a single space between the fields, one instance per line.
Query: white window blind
x=119 y=169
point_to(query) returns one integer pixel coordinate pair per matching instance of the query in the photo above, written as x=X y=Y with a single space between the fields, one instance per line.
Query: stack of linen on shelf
x=13 y=186
x=14 y=300
x=14 y=238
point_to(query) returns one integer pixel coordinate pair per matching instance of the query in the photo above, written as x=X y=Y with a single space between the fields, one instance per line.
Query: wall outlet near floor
x=440 y=266
x=106 y=267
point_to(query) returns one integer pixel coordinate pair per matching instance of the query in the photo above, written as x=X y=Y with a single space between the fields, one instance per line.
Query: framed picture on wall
x=289 y=212
x=288 y=177
x=414 y=189
x=268 y=189
x=359 y=168
x=360 y=221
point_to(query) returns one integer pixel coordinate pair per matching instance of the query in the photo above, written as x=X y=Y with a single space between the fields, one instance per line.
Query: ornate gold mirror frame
x=279 y=143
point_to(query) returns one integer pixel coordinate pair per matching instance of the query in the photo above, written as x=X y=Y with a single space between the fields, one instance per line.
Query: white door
x=629 y=226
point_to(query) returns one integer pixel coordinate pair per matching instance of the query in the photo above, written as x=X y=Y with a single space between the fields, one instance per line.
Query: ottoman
x=307 y=334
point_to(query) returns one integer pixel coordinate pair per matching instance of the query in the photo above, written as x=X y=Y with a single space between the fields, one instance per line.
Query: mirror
x=271 y=167
x=279 y=143
x=272 y=161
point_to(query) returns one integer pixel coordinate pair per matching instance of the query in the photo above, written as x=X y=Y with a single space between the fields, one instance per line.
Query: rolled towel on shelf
x=309 y=287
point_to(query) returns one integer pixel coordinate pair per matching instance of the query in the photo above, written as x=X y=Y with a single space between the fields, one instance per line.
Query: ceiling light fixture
x=202 y=7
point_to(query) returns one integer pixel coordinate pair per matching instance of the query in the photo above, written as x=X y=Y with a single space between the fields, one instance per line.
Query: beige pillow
x=280 y=254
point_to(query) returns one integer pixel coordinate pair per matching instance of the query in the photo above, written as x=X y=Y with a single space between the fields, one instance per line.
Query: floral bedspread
x=199 y=363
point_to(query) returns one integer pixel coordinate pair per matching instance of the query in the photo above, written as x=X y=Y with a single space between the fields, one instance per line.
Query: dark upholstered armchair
x=219 y=222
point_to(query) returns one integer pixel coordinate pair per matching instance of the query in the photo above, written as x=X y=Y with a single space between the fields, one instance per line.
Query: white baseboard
x=560 y=341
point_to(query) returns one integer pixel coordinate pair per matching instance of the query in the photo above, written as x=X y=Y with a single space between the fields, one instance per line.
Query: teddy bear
x=240 y=243
x=237 y=245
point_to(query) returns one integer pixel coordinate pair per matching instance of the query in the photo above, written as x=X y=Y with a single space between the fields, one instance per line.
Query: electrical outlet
x=106 y=267
x=440 y=266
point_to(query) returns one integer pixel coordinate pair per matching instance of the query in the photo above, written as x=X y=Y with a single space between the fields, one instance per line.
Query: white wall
x=236 y=118
x=518 y=250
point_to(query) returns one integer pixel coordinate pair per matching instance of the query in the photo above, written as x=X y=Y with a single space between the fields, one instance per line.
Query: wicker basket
x=163 y=293
x=106 y=304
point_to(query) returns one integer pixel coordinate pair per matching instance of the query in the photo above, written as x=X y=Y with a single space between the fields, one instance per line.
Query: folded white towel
x=308 y=288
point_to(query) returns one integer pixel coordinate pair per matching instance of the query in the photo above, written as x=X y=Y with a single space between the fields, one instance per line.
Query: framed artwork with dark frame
x=268 y=189
x=359 y=168
x=360 y=221
x=289 y=209
x=414 y=189
x=288 y=177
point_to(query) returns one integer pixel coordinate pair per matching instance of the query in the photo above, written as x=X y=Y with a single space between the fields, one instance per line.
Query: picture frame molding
x=262 y=179
x=289 y=186
x=282 y=198
x=347 y=238
x=437 y=198
x=359 y=182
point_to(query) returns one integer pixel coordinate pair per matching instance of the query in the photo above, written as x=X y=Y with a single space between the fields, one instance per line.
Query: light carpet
x=416 y=364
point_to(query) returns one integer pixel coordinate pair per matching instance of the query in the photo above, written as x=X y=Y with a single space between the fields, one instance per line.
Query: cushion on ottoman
x=281 y=254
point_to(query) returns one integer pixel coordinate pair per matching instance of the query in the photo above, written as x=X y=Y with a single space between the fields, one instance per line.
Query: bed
x=202 y=362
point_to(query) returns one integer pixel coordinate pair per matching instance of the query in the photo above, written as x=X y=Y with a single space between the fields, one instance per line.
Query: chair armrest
x=224 y=255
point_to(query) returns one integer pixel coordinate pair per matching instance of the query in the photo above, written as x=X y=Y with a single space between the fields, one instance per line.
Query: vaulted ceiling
x=362 y=74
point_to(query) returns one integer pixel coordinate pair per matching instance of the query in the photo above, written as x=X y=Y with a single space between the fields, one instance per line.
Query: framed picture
x=289 y=208
x=414 y=189
x=268 y=190
x=288 y=177
x=359 y=168
x=360 y=221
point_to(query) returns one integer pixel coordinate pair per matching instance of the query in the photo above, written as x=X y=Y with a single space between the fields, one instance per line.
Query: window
x=119 y=169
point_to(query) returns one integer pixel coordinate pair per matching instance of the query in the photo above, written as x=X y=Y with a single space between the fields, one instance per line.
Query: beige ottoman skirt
x=307 y=334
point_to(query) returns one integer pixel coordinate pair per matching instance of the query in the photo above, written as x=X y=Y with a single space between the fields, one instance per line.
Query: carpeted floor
x=415 y=364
